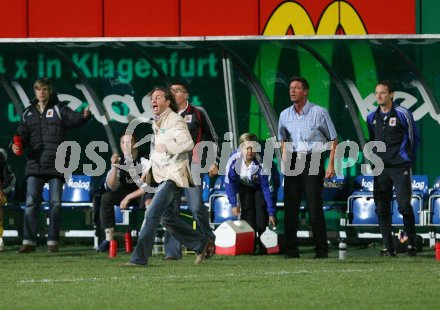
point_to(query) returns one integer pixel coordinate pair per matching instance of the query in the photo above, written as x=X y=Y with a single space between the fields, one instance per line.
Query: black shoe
x=104 y=246
x=411 y=251
x=386 y=252
x=291 y=255
x=52 y=248
x=260 y=250
x=131 y=264
x=24 y=249
x=320 y=256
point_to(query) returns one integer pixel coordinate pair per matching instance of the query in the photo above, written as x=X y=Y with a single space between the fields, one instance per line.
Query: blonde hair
x=43 y=82
x=247 y=137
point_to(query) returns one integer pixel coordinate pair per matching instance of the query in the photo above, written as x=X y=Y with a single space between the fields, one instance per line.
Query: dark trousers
x=400 y=178
x=162 y=209
x=311 y=186
x=253 y=208
x=108 y=201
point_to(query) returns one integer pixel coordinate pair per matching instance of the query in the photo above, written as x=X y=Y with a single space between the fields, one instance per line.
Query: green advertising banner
x=114 y=78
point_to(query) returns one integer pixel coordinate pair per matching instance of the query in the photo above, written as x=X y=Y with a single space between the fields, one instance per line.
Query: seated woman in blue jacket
x=256 y=190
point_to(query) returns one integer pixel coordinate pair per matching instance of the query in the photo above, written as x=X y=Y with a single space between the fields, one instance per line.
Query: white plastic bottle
x=342 y=249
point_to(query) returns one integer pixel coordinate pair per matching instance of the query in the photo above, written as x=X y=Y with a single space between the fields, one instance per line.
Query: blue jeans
x=33 y=202
x=162 y=209
x=194 y=196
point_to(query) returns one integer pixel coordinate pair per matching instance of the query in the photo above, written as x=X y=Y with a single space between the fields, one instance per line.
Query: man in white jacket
x=169 y=169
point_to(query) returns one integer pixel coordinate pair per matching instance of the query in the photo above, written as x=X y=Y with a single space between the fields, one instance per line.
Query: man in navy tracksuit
x=393 y=125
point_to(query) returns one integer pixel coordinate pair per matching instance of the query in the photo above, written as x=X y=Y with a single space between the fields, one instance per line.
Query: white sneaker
x=2 y=245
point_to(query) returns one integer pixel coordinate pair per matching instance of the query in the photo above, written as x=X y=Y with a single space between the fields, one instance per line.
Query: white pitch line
x=284 y=272
x=189 y=276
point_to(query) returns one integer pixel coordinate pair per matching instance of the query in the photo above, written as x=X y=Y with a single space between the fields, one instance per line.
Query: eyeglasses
x=177 y=90
x=381 y=93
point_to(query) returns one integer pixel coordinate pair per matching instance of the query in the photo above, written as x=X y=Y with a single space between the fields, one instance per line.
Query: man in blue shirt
x=305 y=130
x=393 y=125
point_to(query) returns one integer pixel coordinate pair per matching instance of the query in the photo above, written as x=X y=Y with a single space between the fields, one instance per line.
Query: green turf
x=79 y=278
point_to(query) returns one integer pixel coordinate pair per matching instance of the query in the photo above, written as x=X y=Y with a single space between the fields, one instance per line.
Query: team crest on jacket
x=188 y=118
x=392 y=121
x=49 y=113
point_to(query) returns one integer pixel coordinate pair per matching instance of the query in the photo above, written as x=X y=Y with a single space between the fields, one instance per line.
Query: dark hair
x=302 y=80
x=168 y=96
x=44 y=82
x=388 y=84
x=181 y=84
x=132 y=134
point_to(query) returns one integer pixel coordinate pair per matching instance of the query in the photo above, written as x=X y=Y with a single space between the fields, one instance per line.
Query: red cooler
x=234 y=238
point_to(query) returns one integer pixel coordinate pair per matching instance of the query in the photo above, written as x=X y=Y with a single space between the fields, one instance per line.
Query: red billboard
x=158 y=18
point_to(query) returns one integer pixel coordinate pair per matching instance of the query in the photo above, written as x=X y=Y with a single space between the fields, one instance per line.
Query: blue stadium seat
x=434 y=204
x=364 y=211
x=360 y=204
x=435 y=210
x=362 y=207
x=206 y=188
x=76 y=193
x=122 y=217
x=76 y=206
x=219 y=184
x=416 y=204
x=335 y=190
x=419 y=196
x=222 y=208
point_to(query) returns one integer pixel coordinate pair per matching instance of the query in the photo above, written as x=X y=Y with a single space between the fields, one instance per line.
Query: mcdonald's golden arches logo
x=337 y=17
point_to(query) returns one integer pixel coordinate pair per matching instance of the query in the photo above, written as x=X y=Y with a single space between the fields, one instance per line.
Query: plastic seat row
x=361 y=208
x=334 y=195
x=434 y=204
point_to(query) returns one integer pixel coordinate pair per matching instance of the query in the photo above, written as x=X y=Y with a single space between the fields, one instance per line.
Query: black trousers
x=253 y=208
x=108 y=200
x=311 y=186
x=400 y=178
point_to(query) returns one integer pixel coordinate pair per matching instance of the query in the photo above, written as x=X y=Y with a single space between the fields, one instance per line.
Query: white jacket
x=172 y=131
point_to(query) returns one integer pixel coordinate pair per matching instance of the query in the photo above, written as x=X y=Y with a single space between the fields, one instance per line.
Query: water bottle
x=128 y=243
x=113 y=249
x=437 y=250
x=19 y=143
x=342 y=249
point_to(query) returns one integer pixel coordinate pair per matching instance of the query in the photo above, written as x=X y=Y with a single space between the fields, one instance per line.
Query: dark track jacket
x=398 y=132
x=43 y=133
x=200 y=128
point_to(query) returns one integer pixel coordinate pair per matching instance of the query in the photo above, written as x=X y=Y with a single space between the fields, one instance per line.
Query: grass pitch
x=79 y=278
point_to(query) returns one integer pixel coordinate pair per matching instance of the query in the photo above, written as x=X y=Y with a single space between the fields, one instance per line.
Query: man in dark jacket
x=41 y=130
x=395 y=127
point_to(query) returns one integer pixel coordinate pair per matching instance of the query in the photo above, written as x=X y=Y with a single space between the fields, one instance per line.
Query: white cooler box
x=269 y=239
x=234 y=238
